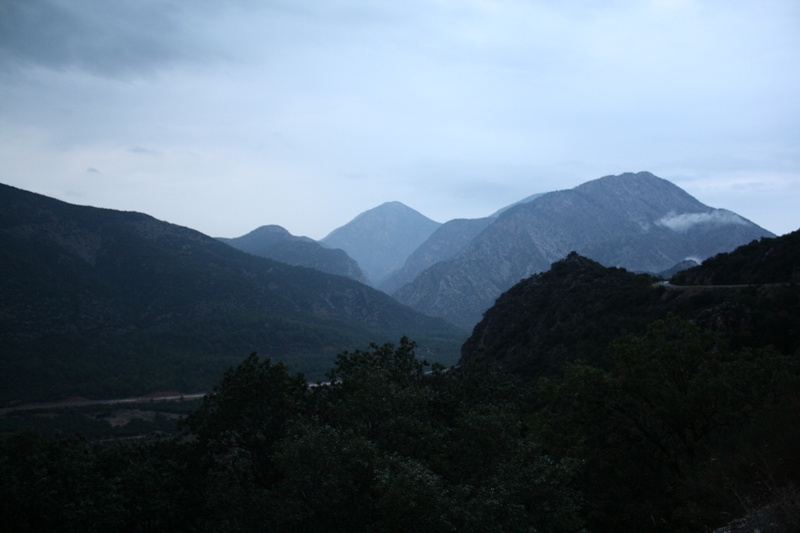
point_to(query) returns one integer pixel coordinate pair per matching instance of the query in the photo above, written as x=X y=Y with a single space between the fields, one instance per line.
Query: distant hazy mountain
x=523 y=201
x=447 y=241
x=636 y=221
x=274 y=242
x=382 y=238
x=101 y=302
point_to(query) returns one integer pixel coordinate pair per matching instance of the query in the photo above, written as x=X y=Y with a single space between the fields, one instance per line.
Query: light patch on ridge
x=685 y=221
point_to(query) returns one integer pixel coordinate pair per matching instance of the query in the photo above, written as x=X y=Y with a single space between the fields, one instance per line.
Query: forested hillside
x=103 y=303
x=775 y=260
x=577 y=307
x=681 y=402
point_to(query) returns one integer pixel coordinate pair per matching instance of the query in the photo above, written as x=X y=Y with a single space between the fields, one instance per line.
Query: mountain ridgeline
x=759 y=262
x=456 y=270
x=576 y=308
x=96 y=302
x=636 y=221
x=274 y=242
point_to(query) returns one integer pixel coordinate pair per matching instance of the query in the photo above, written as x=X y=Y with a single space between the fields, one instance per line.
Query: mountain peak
x=393 y=204
x=391 y=209
x=274 y=242
x=633 y=182
x=573 y=262
x=271 y=228
x=380 y=239
x=634 y=220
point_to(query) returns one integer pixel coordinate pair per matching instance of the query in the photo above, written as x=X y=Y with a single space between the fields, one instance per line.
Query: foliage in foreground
x=678 y=432
x=389 y=445
x=681 y=433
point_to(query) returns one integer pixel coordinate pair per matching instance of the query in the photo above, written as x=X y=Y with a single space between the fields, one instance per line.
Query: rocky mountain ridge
x=637 y=221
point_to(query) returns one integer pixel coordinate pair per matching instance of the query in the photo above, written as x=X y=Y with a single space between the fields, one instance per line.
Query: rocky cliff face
x=636 y=221
x=274 y=242
x=381 y=239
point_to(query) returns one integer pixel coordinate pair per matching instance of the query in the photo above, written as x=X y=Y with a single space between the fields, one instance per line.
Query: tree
x=248 y=412
x=646 y=425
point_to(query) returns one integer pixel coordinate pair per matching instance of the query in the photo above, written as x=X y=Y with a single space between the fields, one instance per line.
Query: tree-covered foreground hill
x=764 y=261
x=574 y=310
x=680 y=402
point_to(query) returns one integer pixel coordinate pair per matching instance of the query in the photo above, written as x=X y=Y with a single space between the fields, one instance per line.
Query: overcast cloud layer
x=224 y=116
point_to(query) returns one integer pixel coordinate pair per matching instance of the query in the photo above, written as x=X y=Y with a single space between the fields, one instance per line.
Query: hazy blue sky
x=224 y=116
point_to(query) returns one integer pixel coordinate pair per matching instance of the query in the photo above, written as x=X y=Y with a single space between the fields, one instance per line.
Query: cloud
x=92 y=170
x=454 y=108
x=113 y=39
x=685 y=221
x=143 y=151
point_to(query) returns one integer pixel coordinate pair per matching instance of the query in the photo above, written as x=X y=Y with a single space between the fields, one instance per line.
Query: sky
x=226 y=116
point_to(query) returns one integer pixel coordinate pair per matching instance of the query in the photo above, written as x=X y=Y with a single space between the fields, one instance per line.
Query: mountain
x=636 y=221
x=274 y=242
x=97 y=302
x=576 y=308
x=443 y=244
x=572 y=310
x=382 y=238
x=523 y=201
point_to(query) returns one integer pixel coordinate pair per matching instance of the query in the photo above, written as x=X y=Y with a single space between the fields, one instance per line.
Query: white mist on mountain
x=681 y=223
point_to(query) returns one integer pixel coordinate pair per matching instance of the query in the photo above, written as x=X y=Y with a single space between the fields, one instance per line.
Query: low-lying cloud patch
x=685 y=221
x=143 y=151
